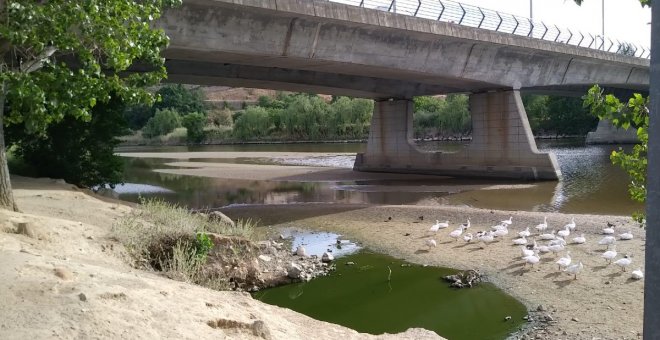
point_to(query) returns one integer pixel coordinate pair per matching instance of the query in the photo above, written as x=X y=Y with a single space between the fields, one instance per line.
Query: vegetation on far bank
x=183 y=117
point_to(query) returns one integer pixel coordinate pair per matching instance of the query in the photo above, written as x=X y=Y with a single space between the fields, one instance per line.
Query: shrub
x=80 y=152
x=194 y=124
x=252 y=123
x=162 y=123
x=180 y=99
x=169 y=238
x=219 y=117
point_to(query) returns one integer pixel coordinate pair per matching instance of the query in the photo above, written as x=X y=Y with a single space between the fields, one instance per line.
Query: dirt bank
x=66 y=279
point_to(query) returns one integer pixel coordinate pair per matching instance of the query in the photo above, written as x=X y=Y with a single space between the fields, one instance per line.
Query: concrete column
x=606 y=133
x=502 y=143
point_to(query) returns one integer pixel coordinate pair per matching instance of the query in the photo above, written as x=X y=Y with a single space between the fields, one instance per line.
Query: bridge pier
x=502 y=143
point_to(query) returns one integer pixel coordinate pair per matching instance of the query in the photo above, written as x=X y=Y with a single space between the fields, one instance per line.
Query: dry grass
x=162 y=236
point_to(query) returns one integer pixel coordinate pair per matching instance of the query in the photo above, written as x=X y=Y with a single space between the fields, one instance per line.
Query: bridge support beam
x=502 y=143
x=606 y=133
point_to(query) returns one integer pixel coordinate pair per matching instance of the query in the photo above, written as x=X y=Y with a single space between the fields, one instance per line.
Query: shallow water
x=590 y=183
x=360 y=297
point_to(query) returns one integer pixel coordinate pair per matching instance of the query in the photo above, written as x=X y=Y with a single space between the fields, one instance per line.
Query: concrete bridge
x=325 y=47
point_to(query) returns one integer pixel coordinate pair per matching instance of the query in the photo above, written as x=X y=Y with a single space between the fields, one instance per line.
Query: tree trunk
x=6 y=195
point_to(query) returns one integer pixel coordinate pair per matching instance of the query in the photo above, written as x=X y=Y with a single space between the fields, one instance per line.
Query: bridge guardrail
x=473 y=16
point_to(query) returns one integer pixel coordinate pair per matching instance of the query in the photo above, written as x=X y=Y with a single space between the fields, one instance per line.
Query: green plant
x=80 y=152
x=633 y=114
x=180 y=98
x=162 y=123
x=203 y=245
x=219 y=117
x=61 y=58
x=194 y=124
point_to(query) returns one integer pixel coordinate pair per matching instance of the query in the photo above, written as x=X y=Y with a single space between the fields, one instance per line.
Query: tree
x=634 y=114
x=80 y=152
x=162 y=123
x=181 y=99
x=194 y=124
x=59 y=58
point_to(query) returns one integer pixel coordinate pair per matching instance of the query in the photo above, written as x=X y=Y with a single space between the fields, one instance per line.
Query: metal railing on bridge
x=473 y=16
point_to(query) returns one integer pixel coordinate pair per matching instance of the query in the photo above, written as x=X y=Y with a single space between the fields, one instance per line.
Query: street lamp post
x=531 y=13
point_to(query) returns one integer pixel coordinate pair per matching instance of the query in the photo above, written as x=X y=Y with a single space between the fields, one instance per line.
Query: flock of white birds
x=555 y=243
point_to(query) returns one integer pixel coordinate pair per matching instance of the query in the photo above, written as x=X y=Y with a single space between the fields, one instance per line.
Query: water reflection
x=590 y=184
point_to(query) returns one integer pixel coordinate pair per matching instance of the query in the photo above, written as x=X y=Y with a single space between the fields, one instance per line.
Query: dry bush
x=165 y=237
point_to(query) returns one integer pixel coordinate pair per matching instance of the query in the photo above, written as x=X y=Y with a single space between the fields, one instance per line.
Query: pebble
x=350 y=263
x=63 y=273
x=541 y=308
x=265 y=258
x=82 y=297
x=575 y=319
x=507 y=318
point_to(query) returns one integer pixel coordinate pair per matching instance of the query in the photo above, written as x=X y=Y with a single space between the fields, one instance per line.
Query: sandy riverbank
x=67 y=280
x=602 y=303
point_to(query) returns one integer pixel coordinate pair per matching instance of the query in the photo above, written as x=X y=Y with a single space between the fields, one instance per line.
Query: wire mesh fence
x=473 y=16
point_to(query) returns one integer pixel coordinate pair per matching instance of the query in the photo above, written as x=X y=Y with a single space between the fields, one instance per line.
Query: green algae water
x=360 y=297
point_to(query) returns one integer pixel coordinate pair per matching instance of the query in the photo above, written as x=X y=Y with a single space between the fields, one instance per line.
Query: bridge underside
x=502 y=143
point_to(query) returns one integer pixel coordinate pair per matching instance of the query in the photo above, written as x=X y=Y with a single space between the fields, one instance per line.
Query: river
x=590 y=183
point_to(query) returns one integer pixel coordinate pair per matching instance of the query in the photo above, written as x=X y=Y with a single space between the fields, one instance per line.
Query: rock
x=216 y=215
x=300 y=251
x=327 y=257
x=107 y=192
x=294 y=271
x=541 y=308
x=575 y=319
x=26 y=229
x=548 y=318
x=507 y=318
x=90 y=237
x=82 y=297
x=63 y=273
x=264 y=258
x=350 y=263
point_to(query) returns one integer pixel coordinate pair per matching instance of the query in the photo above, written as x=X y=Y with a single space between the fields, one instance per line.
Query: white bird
x=565 y=232
x=466 y=225
x=550 y=236
x=580 y=239
x=525 y=233
x=467 y=237
x=623 y=262
x=607 y=241
x=501 y=232
x=543 y=226
x=565 y=261
x=498 y=227
x=487 y=238
x=456 y=233
x=571 y=225
x=626 y=236
x=609 y=255
x=431 y=243
x=556 y=248
x=439 y=225
x=574 y=269
x=526 y=252
x=608 y=230
x=507 y=222
x=532 y=260
x=558 y=240
x=300 y=251
x=637 y=274
x=544 y=249
x=520 y=241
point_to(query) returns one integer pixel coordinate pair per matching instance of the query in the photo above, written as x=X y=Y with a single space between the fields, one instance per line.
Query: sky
x=625 y=20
